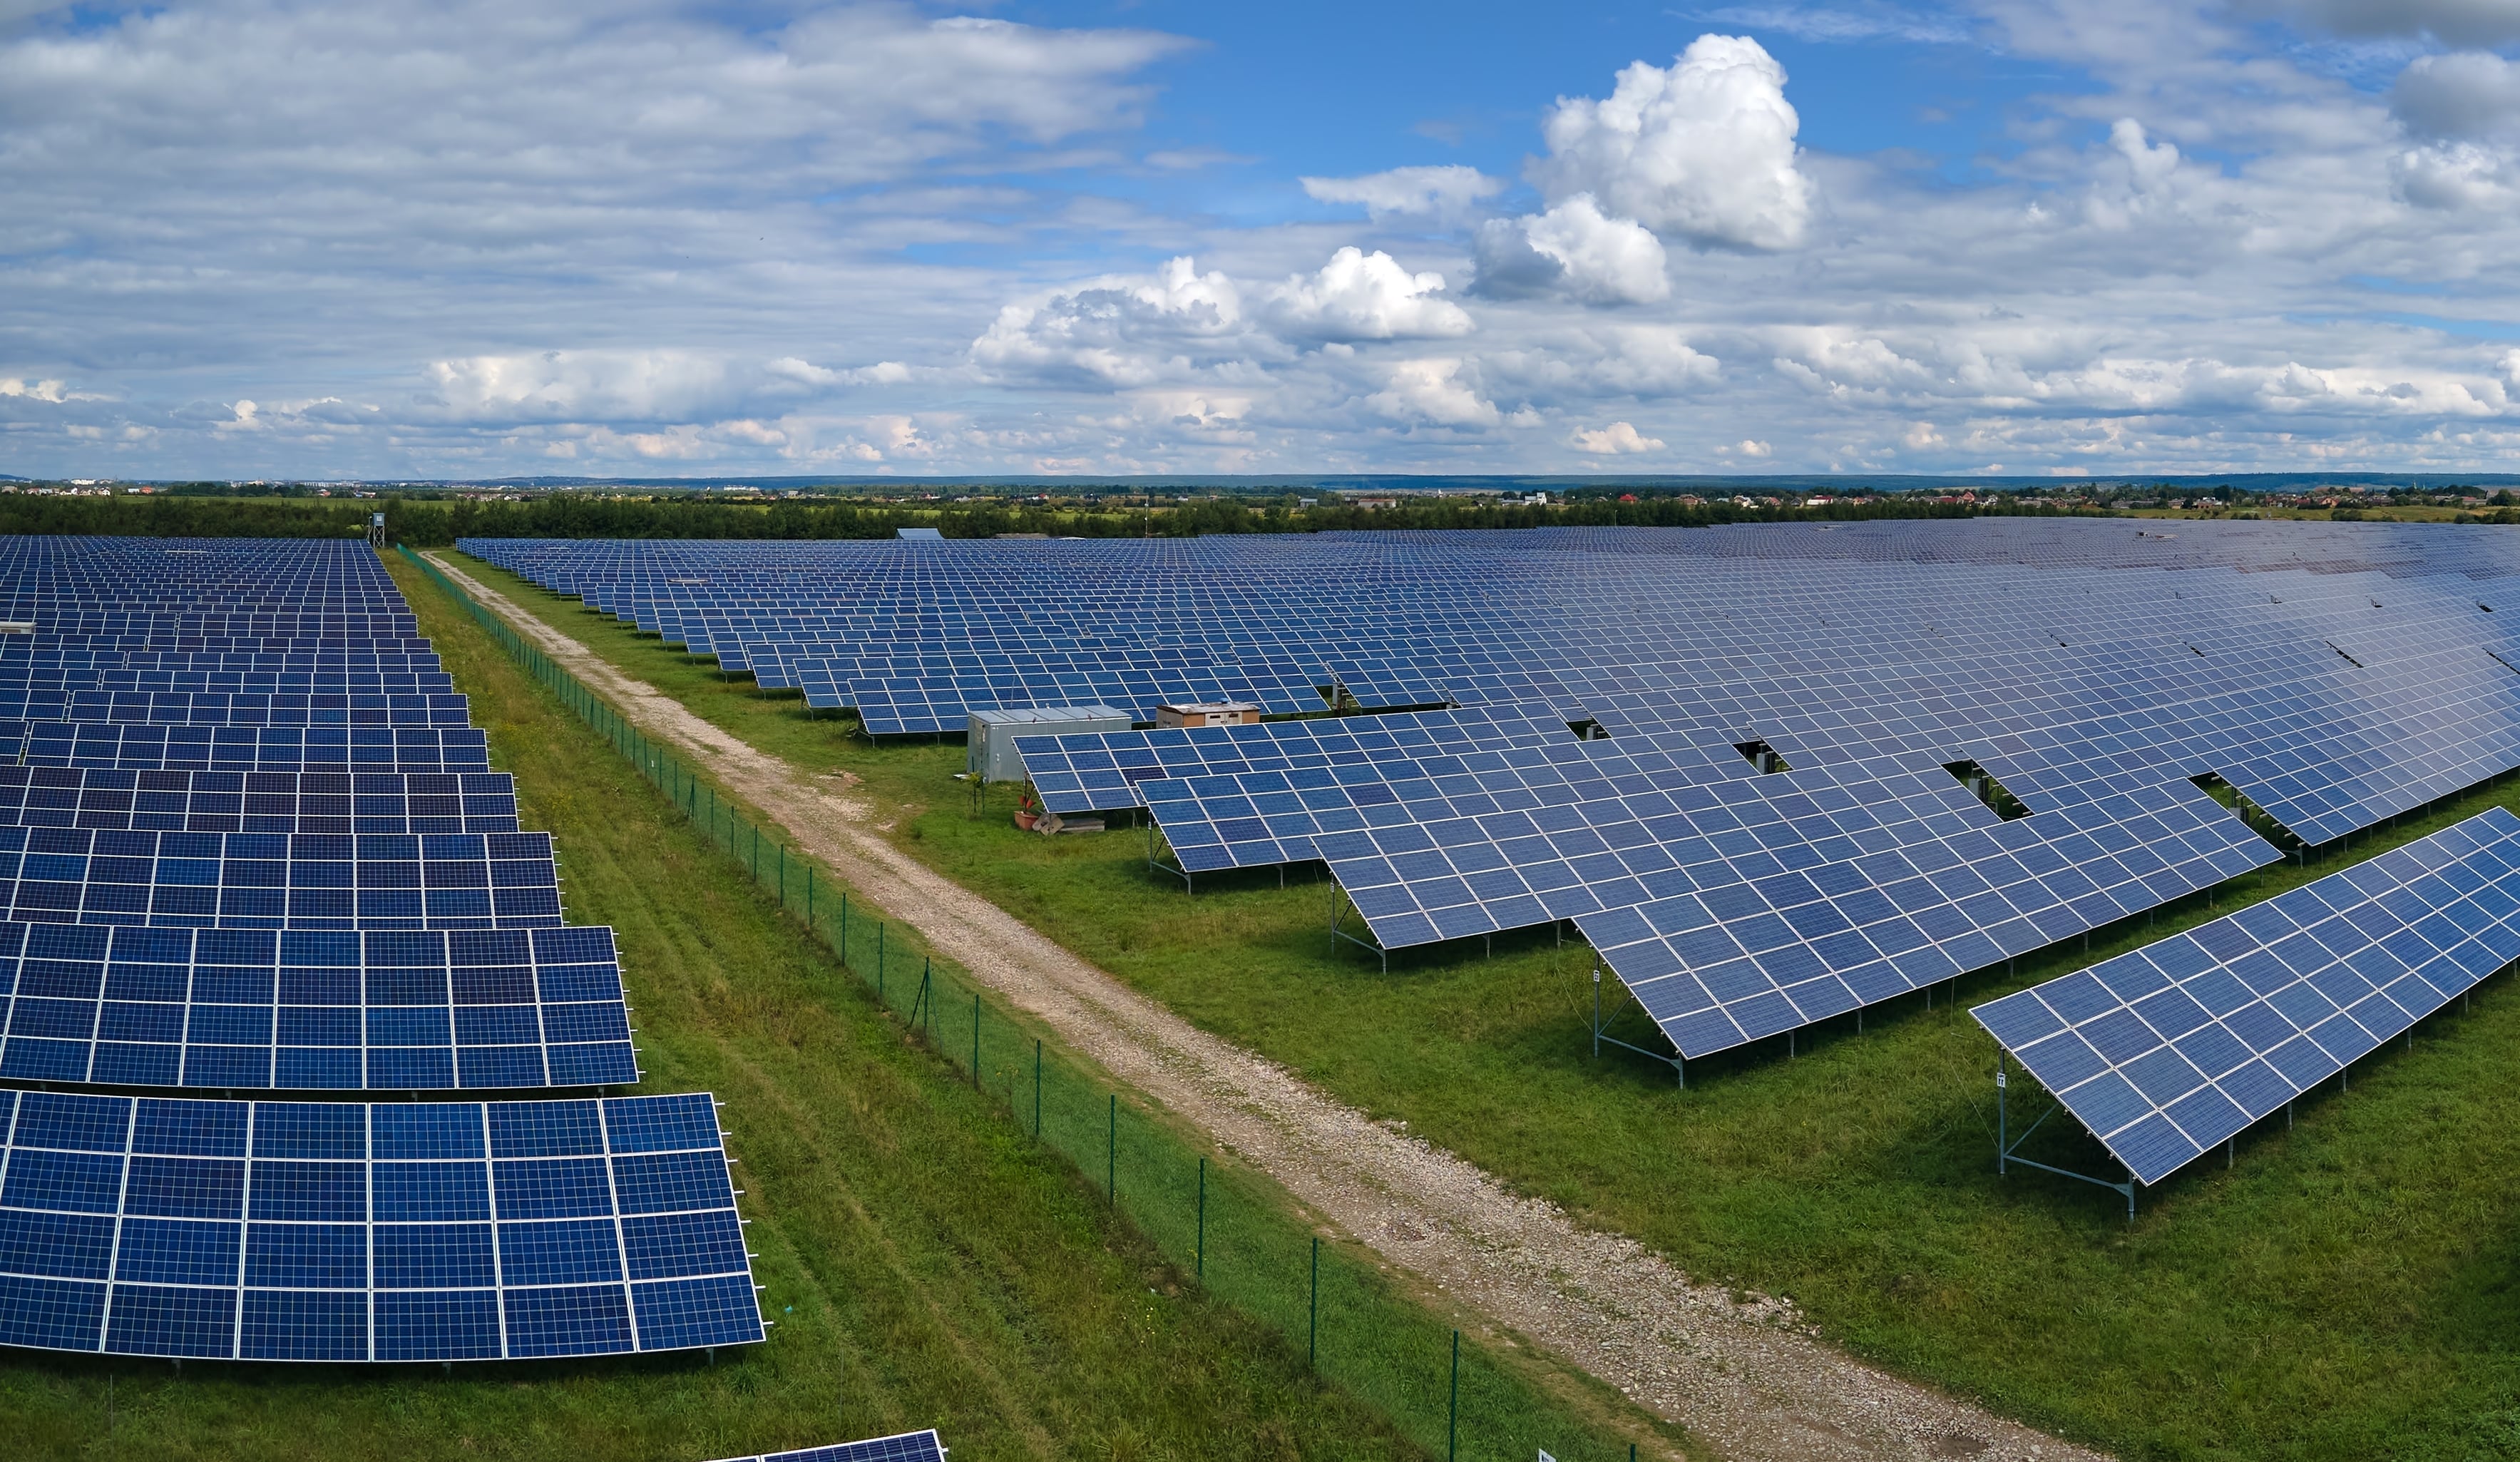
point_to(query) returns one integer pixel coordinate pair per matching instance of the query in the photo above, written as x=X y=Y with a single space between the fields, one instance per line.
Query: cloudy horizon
x=262 y=237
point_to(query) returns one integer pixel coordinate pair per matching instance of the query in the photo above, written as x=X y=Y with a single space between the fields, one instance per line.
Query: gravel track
x=1745 y=1374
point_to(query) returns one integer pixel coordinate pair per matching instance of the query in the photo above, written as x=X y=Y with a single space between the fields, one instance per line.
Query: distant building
x=1209 y=713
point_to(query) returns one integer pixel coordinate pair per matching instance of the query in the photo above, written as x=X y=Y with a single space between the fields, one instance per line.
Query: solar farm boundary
x=1227 y=1228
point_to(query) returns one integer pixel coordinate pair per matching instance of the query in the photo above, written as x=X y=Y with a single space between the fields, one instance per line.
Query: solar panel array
x=1735 y=758
x=908 y=1446
x=249 y=841
x=350 y=1231
x=2166 y=1052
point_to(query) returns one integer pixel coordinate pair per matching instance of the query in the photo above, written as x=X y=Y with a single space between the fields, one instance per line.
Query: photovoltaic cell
x=351 y=1232
x=2166 y=1052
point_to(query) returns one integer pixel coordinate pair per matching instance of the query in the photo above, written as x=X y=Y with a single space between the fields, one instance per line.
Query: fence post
x=1453 y=1416
x=1313 y=1312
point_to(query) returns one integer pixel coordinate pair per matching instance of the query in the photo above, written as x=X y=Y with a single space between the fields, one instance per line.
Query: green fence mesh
x=1227 y=1227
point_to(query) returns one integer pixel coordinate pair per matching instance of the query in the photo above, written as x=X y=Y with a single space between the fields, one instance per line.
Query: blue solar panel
x=346 y=1231
x=311 y=1010
x=908 y=1446
x=272 y=880
x=226 y=802
x=2166 y=1052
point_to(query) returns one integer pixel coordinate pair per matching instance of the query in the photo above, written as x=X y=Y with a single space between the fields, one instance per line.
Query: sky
x=284 y=239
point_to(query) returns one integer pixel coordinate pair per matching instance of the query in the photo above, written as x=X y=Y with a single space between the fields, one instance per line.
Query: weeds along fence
x=1221 y=1225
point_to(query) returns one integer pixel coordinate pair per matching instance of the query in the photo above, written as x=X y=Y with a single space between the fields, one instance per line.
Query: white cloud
x=1617 y=440
x=1364 y=297
x=34 y=391
x=1445 y=192
x=2456 y=176
x=1702 y=151
x=1572 y=249
x=1128 y=330
x=578 y=386
x=881 y=373
x=1431 y=391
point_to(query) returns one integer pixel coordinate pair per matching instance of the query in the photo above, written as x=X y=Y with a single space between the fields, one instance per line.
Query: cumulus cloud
x=2456 y=177
x=1445 y=192
x=1433 y=391
x=2463 y=94
x=1701 y=150
x=35 y=391
x=1120 y=331
x=1572 y=249
x=1617 y=440
x=1364 y=297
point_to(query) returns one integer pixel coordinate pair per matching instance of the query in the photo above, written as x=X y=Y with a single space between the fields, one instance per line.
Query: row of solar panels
x=151 y=748
x=2171 y=1050
x=207 y=886
x=2093 y=694
x=286 y=801
x=220 y=708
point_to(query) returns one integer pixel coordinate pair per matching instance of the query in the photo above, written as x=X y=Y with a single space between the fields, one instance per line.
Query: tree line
x=573 y=516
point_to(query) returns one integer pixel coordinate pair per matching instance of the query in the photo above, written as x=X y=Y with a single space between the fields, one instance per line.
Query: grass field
x=927 y=1263
x=2346 y=1291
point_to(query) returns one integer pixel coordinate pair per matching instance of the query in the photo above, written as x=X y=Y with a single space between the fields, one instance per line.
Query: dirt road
x=1746 y=1374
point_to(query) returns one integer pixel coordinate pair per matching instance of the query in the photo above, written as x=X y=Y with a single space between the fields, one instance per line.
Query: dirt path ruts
x=1745 y=1374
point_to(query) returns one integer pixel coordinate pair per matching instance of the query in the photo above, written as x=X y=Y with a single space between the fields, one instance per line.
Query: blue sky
x=257 y=238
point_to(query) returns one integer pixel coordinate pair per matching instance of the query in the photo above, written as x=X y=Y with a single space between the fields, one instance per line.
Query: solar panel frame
x=905 y=1446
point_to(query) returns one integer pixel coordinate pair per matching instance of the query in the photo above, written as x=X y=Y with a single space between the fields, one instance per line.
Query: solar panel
x=312 y=1010
x=2167 y=1052
x=908 y=1446
x=357 y=1232
x=220 y=801
x=272 y=880
x=157 y=748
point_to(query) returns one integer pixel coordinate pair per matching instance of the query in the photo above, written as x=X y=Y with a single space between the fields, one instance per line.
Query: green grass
x=927 y=1264
x=2346 y=1291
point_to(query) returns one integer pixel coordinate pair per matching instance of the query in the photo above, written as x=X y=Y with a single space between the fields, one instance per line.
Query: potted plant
x=1027 y=811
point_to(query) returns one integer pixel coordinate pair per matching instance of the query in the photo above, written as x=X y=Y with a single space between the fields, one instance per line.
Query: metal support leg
x=1601 y=1033
x=2007 y=1148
